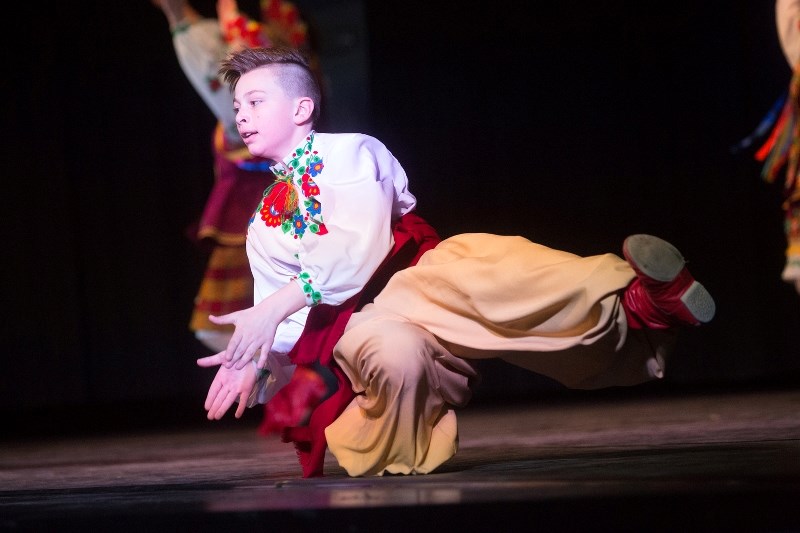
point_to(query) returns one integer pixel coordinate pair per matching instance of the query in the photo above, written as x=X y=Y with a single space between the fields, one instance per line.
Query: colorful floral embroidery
x=279 y=203
x=313 y=206
x=316 y=166
x=308 y=288
x=214 y=84
x=309 y=187
x=299 y=225
x=279 y=206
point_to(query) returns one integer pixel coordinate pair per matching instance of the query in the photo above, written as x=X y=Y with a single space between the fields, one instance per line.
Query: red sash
x=325 y=325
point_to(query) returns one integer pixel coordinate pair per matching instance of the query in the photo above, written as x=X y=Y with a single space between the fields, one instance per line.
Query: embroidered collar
x=280 y=205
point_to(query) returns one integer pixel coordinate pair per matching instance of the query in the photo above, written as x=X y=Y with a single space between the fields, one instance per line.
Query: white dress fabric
x=200 y=48
x=478 y=296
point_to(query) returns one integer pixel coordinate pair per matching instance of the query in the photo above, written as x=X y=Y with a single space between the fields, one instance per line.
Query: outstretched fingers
x=212 y=360
x=213 y=393
x=221 y=403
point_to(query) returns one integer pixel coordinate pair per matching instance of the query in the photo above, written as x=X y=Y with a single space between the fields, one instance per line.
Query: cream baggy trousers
x=478 y=296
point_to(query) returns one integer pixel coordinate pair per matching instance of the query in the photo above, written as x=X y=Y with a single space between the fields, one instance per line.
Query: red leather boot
x=664 y=293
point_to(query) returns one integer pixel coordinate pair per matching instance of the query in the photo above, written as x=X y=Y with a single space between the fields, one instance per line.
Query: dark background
x=571 y=123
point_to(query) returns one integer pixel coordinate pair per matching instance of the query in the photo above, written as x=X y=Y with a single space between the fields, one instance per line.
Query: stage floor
x=722 y=461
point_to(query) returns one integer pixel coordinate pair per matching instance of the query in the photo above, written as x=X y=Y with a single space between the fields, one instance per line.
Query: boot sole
x=699 y=302
x=653 y=257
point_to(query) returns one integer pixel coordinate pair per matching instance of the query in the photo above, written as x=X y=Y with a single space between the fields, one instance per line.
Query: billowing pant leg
x=620 y=357
x=402 y=419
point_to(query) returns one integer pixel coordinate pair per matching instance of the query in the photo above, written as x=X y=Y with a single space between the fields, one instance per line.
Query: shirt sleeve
x=200 y=48
x=363 y=188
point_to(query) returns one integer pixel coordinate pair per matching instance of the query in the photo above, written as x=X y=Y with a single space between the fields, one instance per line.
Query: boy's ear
x=303 y=110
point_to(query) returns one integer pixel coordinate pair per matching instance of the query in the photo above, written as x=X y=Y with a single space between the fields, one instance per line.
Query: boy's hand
x=229 y=385
x=254 y=331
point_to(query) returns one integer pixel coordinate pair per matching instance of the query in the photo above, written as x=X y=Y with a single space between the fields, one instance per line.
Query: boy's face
x=265 y=116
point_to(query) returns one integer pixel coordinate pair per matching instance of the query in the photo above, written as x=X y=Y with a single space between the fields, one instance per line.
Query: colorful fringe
x=781 y=152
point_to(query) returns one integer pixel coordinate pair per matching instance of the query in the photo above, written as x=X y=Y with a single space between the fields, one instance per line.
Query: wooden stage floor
x=716 y=461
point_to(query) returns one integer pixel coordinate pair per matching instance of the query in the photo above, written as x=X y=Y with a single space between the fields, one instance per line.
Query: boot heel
x=699 y=302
